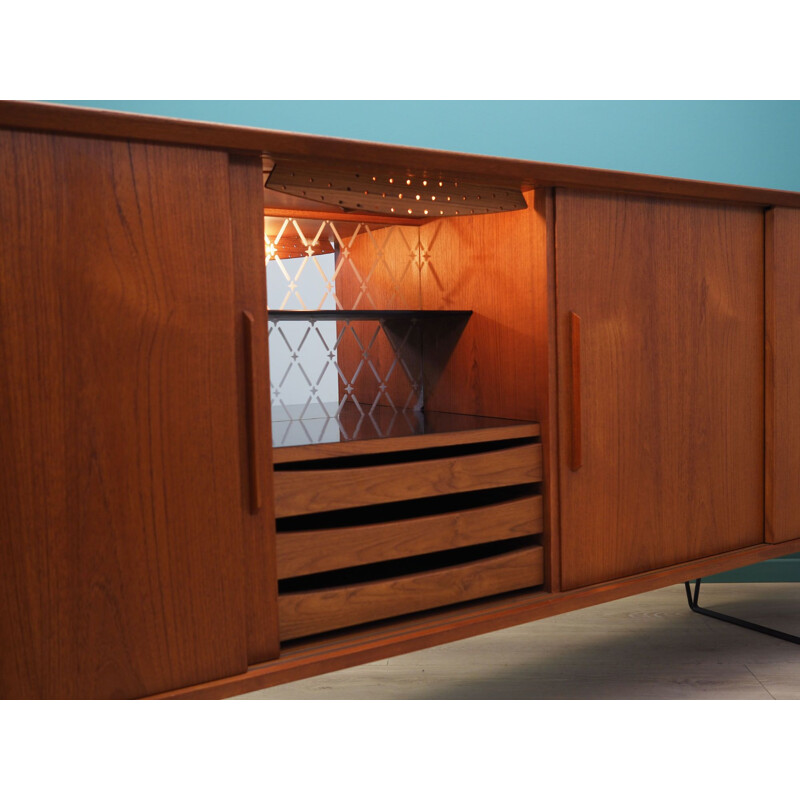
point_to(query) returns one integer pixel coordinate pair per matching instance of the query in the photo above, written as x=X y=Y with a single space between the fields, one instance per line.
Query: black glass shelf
x=354 y=431
x=377 y=314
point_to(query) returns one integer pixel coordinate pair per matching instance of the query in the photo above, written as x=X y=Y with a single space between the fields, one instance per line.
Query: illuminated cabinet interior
x=388 y=464
x=276 y=404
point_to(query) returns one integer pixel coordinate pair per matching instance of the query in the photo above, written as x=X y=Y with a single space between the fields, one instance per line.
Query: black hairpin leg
x=787 y=637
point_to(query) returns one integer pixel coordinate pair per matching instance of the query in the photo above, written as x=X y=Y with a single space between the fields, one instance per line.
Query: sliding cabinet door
x=124 y=557
x=661 y=382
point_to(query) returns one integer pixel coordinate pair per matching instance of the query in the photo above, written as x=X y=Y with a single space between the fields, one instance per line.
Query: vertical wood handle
x=252 y=417
x=576 y=454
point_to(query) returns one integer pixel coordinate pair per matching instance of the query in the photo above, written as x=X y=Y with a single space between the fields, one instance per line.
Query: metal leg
x=787 y=637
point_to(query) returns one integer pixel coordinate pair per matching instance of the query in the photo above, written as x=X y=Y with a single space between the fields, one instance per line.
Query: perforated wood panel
x=412 y=195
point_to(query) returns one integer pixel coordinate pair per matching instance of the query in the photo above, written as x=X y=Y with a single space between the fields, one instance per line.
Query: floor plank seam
x=747 y=667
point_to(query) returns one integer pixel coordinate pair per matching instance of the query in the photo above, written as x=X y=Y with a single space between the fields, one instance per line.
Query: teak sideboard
x=547 y=387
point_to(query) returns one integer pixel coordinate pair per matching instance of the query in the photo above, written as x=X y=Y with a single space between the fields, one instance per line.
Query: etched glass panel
x=373 y=266
x=374 y=366
x=337 y=379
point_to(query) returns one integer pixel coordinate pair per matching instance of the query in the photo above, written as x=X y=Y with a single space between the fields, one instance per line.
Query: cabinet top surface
x=284 y=146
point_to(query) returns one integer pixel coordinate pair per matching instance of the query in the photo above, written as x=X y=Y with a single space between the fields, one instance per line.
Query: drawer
x=311 y=551
x=307 y=491
x=310 y=612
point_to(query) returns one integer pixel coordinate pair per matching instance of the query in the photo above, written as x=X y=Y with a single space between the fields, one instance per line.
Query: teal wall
x=755 y=143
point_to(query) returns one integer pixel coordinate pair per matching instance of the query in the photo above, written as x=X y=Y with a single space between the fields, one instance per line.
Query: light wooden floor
x=645 y=647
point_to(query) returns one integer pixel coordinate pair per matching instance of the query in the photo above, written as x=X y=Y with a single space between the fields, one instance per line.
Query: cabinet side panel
x=545 y=397
x=671 y=300
x=121 y=550
x=484 y=263
x=261 y=602
x=783 y=375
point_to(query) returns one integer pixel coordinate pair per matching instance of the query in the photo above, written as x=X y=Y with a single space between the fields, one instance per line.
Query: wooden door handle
x=576 y=453
x=252 y=417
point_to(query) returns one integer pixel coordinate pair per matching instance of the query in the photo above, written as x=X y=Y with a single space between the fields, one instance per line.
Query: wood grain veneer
x=485 y=264
x=254 y=479
x=307 y=491
x=782 y=283
x=255 y=430
x=307 y=552
x=575 y=416
x=307 y=613
x=670 y=296
x=545 y=390
x=121 y=545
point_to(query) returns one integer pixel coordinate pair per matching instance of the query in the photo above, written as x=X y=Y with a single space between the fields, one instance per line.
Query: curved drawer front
x=311 y=491
x=311 y=612
x=312 y=551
